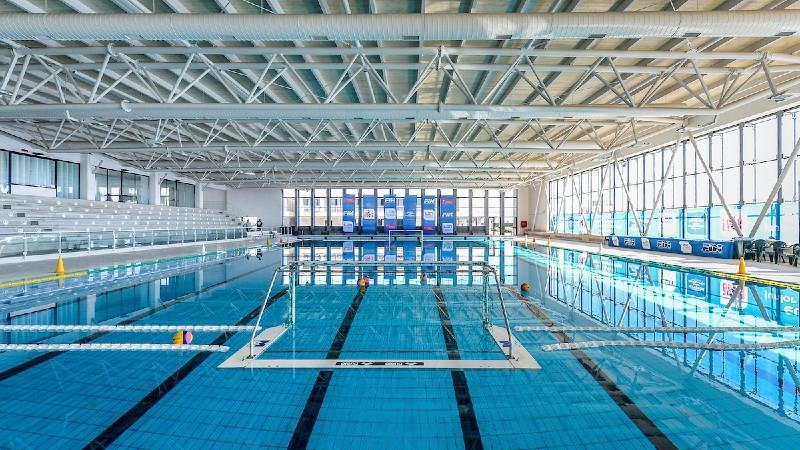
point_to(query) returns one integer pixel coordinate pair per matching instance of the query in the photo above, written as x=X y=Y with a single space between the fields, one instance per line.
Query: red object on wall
x=523 y=223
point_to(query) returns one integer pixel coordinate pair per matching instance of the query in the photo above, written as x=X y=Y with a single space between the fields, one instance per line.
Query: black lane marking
x=33 y=362
x=116 y=429
x=308 y=418
x=634 y=413
x=466 y=411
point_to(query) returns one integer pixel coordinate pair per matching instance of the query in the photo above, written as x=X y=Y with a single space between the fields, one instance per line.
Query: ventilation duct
x=346 y=27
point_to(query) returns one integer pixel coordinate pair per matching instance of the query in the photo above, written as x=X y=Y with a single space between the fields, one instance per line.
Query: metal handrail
x=421 y=234
x=484 y=266
x=97 y=238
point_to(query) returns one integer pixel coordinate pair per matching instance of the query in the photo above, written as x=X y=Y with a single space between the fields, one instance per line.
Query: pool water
x=597 y=398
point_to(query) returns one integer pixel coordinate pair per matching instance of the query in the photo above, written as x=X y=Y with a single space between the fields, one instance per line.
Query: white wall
x=214 y=199
x=262 y=203
x=536 y=217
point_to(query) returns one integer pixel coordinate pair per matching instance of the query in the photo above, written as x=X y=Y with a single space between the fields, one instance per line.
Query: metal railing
x=29 y=243
x=403 y=232
x=295 y=268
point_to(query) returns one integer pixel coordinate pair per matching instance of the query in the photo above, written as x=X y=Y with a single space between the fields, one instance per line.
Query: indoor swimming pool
x=435 y=309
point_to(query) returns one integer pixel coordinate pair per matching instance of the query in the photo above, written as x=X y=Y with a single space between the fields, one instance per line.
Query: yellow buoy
x=742 y=266
x=178 y=338
x=60 y=266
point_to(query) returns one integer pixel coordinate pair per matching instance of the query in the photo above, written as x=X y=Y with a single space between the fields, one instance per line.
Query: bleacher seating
x=110 y=224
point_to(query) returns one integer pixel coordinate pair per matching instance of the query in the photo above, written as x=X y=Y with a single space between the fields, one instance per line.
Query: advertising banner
x=369 y=218
x=348 y=213
x=410 y=212
x=348 y=254
x=712 y=249
x=389 y=212
x=429 y=214
x=390 y=255
x=696 y=222
x=696 y=285
x=448 y=214
x=410 y=254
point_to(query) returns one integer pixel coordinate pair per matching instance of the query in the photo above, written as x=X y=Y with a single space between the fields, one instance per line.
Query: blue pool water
x=633 y=398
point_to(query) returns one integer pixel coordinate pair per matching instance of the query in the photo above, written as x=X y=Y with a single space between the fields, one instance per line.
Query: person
x=259 y=224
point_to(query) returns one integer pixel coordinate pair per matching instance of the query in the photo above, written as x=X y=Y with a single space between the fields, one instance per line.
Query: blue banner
x=410 y=212
x=348 y=213
x=369 y=253
x=711 y=249
x=410 y=254
x=696 y=285
x=448 y=214
x=429 y=255
x=429 y=214
x=696 y=222
x=348 y=254
x=390 y=212
x=448 y=253
x=390 y=255
x=369 y=218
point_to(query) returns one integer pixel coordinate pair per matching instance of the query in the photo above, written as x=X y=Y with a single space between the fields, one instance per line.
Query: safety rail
x=295 y=267
x=413 y=232
x=68 y=241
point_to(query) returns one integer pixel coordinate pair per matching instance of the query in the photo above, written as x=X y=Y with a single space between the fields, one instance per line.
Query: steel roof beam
x=346 y=27
x=429 y=111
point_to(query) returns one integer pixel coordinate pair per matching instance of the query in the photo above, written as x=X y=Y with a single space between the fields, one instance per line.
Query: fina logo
x=629 y=242
x=429 y=201
x=710 y=247
x=665 y=245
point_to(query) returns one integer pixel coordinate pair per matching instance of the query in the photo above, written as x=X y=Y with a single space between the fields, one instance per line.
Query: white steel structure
x=278 y=93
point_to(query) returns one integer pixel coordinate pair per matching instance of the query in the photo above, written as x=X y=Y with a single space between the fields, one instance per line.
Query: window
x=478 y=208
x=320 y=207
x=462 y=208
x=125 y=187
x=68 y=179
x=510 y=212
x=336 y=207
x=289 y=204
x=33 y=171
x=304 y=210
x=5 y=174
x=173 y=193
x=493 y=212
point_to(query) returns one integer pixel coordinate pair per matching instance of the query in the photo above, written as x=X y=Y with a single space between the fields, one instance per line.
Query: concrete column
x=155 y=293
x=91 y=303
x=198 y=195
x=88 y=182
x=155 y=188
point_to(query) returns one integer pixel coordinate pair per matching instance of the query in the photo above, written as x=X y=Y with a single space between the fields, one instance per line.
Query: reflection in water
x=106 y=297
x=622 y=293
x=497 y=254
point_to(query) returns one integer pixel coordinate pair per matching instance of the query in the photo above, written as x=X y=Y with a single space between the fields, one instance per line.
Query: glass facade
x=175 y=193
x=25 y=170
x=5 y=173
x=320 y=210
x=124 y=187
x=745 y=161
x=289 y=208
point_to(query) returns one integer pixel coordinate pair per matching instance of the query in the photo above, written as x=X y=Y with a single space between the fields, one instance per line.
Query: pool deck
x=11 y=271
x=781 y=272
